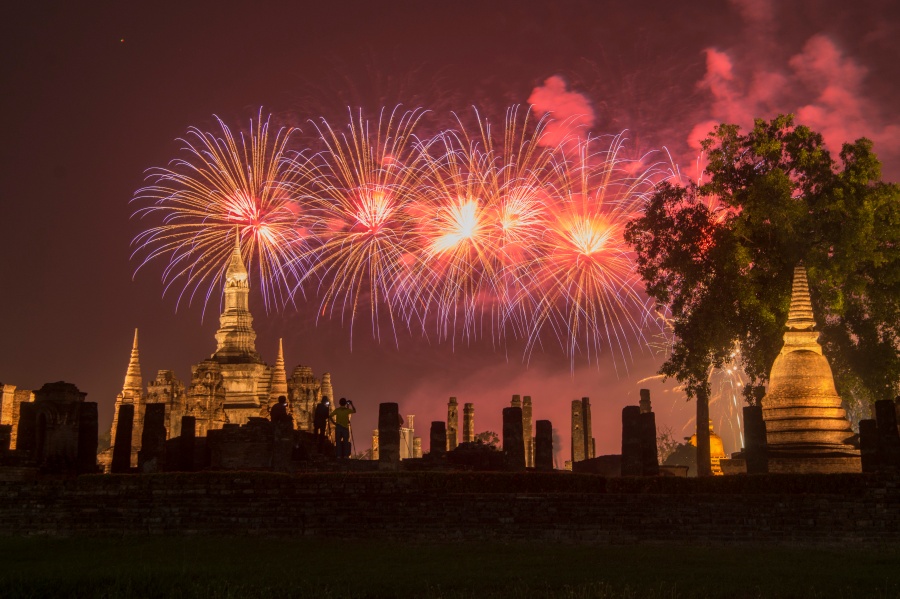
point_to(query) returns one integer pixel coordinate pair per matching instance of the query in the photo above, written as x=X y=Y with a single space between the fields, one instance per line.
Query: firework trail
x=223 y=184
x=589 y=290
x=358 y=190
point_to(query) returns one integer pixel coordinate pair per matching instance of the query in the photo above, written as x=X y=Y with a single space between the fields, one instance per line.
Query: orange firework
x=479 y=219
x=589 y=292
x=221 y=185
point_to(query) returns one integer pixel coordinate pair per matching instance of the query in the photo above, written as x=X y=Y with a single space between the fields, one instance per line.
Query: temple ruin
x=232 y=386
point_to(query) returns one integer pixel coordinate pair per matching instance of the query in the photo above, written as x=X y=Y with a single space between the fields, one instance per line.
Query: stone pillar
x=543 y=445
x=868 y=445
x=121 y=457
x=469 y=423
x=704 y=460
x=375 y=444
x=389 y=434
x=578 y=447
x=896 y=408
x=186 y=443
x=632 y=454
x=888 y=437
x=5 y=437
x=645 y=401
x=589 y=450
x=528 y=431
x=756 y=450
x=513 y=444
x=438 y=438
x=649 y=455
x=26 y=430
x=86 y=456
x=452 y=424
x=153 y=438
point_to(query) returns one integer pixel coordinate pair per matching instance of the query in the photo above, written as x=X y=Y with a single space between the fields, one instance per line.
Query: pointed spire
x=236 y=339
x=236 y=269
x=800 y=317
x=133 y=380
x=279 y=375
x=327 y=389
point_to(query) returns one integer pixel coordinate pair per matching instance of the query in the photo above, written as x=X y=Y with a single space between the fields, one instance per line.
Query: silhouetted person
x=278 y=413
x=320 y=420
x=341 y=419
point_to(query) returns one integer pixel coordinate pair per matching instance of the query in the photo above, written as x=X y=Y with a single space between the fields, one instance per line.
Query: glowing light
x=221 y=182
x=462 y=222
x=471 y=232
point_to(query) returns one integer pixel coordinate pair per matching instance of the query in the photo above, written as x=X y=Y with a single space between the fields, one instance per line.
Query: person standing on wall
x=341 y=419
x=320 y=420
x=278 y=413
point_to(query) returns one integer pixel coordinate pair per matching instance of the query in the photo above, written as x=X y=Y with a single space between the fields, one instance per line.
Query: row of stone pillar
x=514 y=441
x=468 y=435
x=152 y=455
x=639 y=451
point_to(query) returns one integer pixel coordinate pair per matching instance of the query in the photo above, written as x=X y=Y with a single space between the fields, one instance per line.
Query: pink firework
x=358 y=189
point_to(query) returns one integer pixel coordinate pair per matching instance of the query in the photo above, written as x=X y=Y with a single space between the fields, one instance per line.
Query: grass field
x=257 y=567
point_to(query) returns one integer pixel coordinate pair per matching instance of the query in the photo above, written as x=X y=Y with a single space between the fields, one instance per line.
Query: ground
x=261 y=567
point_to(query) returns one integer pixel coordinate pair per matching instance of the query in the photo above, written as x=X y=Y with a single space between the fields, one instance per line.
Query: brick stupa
x=806 y=427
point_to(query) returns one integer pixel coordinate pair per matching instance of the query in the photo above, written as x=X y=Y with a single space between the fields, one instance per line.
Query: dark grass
x=258 y=567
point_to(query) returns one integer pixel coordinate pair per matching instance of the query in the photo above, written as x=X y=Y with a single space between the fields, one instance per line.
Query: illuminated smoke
x=572 y=112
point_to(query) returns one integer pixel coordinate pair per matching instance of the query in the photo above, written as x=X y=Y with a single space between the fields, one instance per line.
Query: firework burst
x=474 y=228
x=223 y=184
x=358 y=189
x=589 y=289
x=477 y=223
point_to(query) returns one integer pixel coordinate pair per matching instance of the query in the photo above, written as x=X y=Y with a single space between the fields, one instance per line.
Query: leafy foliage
x=720 y=255
x=488 y=438
x=665 y=443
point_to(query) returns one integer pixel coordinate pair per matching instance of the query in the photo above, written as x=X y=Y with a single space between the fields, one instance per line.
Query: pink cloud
x=571 y=111
x=839 y=110
x=821 y=86
x=755 y=12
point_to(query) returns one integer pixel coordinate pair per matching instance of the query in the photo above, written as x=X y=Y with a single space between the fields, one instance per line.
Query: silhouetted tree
x=720 y=255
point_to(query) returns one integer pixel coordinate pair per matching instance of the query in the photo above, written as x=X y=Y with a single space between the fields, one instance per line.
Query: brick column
x=632 y=456
x=543 y=445
x=452 y=424
x=121 y=457
x=438 y=438
x=389 y=434
x=513 y=444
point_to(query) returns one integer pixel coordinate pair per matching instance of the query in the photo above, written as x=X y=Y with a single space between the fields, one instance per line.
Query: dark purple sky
x=95 y=93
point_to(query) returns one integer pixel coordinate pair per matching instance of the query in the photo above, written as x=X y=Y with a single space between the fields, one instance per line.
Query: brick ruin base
x=856 y=509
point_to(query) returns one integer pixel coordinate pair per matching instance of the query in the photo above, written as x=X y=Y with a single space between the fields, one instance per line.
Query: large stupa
x=807 y=429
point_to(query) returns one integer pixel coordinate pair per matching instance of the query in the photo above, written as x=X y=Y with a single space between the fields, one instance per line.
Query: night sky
x=95 y=93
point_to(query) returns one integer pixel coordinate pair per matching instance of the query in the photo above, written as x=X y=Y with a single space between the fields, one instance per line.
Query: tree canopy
x=719 y=255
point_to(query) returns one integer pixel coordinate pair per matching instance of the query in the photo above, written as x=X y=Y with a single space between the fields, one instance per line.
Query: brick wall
x=855 y=508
